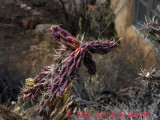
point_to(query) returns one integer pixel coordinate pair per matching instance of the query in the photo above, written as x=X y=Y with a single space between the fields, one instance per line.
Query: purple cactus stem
x=63 y=69
x=73 y=66
x=55 y=29
x=89 y=63
x=63 y=77
x=70 y=61
x=79 y=62
x=64 y=37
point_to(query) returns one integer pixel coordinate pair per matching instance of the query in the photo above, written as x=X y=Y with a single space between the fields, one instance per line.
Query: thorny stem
x=56 y=82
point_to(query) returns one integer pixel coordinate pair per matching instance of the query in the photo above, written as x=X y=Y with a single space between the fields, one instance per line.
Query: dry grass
x=115 y=86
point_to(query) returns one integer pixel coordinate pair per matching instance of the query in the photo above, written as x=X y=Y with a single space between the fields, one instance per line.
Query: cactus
x=152 y=29
x=50 y=86
x=151 y=75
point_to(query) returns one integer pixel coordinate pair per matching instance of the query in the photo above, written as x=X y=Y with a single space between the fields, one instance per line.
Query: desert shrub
x=95 y=20
x=10 y=84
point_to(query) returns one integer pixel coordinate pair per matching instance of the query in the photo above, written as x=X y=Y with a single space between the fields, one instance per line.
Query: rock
x=27 y=8
x=7 y=1
x=42 y=27
x=23 y=5
x=30 y=22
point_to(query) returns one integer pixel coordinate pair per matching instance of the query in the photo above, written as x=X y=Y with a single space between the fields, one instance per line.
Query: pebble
x=27 y=8
x=23 y=5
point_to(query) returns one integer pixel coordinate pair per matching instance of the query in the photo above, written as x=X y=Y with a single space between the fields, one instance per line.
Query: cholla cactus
x=64 y=37
x=150 y=76
x=80 y=52
x=50 y=85
x=152 y=28
x=39 y=83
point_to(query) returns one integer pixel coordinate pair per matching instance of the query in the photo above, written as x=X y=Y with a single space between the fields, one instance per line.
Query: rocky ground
x=26 y=45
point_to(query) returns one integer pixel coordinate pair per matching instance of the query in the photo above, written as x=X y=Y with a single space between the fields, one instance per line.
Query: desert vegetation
x=66 y=62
